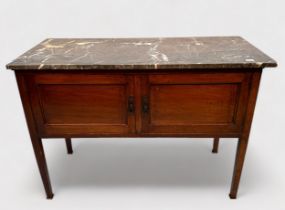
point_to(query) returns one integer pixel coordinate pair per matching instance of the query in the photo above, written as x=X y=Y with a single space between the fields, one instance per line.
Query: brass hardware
x=131 y=104
x=145 y=106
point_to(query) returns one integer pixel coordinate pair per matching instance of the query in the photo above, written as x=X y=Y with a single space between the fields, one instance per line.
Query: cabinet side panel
x=22 y=81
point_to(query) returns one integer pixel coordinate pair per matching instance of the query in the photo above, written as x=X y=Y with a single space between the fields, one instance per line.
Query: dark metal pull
x=145 y=107
x=131 y=104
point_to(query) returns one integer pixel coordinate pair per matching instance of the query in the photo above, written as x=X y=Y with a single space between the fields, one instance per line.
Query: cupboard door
x=190 y=103
x=82 y=104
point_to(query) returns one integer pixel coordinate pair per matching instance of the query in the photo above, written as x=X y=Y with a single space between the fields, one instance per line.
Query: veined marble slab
x=142 y=53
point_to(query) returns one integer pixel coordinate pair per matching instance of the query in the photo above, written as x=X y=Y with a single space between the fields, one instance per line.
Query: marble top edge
x=142 y=53
x=140 y=38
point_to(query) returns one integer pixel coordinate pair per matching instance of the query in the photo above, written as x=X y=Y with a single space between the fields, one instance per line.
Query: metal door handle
x=145 y=106
x=131 y=104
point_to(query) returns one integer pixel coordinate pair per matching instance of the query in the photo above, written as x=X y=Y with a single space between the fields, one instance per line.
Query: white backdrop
x=143 y=174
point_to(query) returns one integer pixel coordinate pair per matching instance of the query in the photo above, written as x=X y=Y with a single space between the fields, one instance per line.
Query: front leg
x=243 y=140
x=36 y=140
x=41 y=161
x=240 y=156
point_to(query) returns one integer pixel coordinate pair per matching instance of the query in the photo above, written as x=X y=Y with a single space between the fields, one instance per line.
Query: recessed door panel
x=84 y=104
x=193 y=104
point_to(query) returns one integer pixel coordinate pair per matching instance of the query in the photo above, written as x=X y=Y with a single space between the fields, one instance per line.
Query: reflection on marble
x=143 y=53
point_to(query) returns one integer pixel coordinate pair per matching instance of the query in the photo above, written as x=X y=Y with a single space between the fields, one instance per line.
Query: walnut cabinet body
x=166 y=104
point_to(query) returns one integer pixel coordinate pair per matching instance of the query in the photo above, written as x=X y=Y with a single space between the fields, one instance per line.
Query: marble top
x=142 y=53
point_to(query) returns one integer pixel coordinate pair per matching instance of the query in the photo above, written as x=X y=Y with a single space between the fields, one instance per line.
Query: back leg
x=215 y=145
x=68 y=145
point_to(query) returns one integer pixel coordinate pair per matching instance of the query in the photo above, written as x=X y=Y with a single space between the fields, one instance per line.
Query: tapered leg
x=36 y=141
x=68 y=145
x=41 y=160
x=240 y=155
x=215 y=145
x=243 y=140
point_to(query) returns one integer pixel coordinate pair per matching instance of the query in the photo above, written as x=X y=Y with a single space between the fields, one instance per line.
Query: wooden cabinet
x=140 y=87
x=182 y=104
